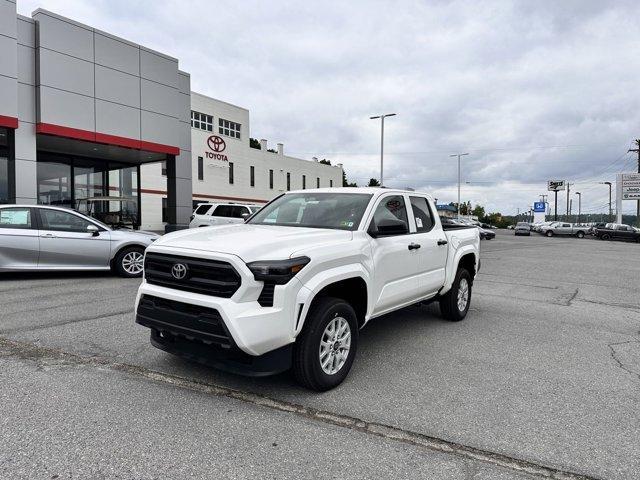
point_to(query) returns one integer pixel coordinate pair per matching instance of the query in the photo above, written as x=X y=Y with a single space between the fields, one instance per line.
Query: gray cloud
x=532 y=90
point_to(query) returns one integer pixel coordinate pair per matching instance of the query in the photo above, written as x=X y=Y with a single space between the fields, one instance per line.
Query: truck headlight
x=278 y=272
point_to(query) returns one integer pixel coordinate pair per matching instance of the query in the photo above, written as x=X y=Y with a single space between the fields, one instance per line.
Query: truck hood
x=253 y=242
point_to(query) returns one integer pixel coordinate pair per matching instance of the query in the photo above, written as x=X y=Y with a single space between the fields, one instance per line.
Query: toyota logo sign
x=216 y=143
x=179 y=271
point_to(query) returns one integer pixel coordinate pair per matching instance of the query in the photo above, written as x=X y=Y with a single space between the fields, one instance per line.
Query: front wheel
x=454 y=304
x=549 y=233
x=129 y=262
x=580 y=234
x=325 y=349
x=605 y=236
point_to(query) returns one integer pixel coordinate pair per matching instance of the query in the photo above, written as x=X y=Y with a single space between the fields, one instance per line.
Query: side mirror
x=388 y=227
x=93 y=230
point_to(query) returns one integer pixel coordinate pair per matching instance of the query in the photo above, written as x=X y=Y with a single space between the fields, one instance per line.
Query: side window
x=202 y=209
x=422 y=214
x=239 y=211
x=15 y=218
x=60 y=221
x=390 y=210
x=223 y=211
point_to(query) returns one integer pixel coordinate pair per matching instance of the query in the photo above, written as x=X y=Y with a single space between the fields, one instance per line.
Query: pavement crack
x=612 y=304
x=615 y=356
x=66 y=322
x=42 y=355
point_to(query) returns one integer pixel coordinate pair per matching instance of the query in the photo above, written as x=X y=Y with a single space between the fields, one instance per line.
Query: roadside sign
x=539 y=207
x=555 y=185
x=630 y=186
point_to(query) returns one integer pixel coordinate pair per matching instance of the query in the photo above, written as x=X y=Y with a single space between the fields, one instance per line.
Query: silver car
x=38 y=238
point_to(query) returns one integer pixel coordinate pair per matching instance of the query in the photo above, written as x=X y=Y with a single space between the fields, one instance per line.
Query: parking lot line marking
x=35 y=353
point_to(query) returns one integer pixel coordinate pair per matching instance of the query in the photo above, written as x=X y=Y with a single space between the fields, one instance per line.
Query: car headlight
x=277 y=271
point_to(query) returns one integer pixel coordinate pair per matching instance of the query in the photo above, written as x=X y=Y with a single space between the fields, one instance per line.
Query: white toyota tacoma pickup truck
x=291 y=287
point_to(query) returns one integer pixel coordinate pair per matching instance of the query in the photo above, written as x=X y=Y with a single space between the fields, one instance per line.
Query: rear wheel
x=129 y=262
x=580 y=234
x=325 y=349
x=605 y=236
x=454 y=304
x=549 y=233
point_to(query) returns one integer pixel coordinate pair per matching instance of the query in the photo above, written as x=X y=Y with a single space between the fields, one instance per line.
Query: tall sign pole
x=382 y=117
x=637 y=150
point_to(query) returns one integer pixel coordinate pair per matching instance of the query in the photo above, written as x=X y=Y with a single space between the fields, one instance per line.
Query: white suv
x=207 y=214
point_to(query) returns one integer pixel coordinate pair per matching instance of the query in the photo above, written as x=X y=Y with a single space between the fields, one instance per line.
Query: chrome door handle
x=442 y=242
x=47 y=235
x=414 y=246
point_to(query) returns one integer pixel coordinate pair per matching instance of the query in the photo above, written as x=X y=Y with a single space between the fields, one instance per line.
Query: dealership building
x=85 y=114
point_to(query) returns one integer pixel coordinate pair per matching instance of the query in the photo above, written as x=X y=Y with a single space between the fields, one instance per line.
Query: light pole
x=579 y=204
x=458 y=155
x=610 y=212
x=382 y=117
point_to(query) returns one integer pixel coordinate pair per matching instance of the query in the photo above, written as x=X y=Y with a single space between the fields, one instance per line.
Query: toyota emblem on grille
x=179 y=271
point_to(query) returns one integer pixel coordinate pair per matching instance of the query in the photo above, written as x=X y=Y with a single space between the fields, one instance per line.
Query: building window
x=163 y=169
x=271 y=179
x=228 y=128
x=318 y=182
x=288 y=181
x=304 y=182
x=200 y=168
x=331 y=183
x=252 y=176
x=231 y=172
x=202 y=121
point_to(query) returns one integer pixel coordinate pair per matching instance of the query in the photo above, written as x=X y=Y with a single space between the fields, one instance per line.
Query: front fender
x=314 y=285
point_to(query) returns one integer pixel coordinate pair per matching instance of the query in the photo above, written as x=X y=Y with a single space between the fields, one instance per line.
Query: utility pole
x=637 y=150
x=382 y=117
x=579 y=205
x=543 y=198
x=570 y=209
x=568 y=192
x=610 y=213
x=458 y=155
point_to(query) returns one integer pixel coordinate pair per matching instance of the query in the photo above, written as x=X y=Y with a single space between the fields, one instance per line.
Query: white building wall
x=215 y=186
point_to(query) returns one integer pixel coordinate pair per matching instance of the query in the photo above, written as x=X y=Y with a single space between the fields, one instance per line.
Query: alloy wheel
x=335 y=345
x=132 y=262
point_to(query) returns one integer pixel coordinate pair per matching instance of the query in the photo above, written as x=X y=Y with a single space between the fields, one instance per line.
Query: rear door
x=396 y=266
x=65 y=242
x=19 y=242
x=432 y=257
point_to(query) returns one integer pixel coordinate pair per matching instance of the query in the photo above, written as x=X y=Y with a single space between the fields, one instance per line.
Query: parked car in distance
x=540 y=225
x=208 y=214
x=564 y=228
x=292 y=287
x=522 y=228
x=618 y=231
x=45 y=238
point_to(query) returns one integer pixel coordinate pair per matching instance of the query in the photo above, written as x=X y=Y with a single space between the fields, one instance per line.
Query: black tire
x=121 y=261
x=605 y=236
x=307 y=368
x=549 y=233
x=580 y=234
x=449 y=301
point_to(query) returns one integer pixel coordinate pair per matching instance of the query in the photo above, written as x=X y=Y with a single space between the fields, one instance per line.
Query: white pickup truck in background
x=291 y=287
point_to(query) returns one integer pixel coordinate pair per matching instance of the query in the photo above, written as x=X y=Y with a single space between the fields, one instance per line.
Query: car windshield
x=522 y=224
x=341 y=211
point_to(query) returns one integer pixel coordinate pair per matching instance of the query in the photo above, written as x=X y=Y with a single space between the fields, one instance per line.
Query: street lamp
x=382 y=117
x=458 y=155
x=610 y=212
x=579 y=204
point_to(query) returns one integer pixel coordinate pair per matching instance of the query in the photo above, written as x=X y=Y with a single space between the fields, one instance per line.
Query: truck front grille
x=208 y=277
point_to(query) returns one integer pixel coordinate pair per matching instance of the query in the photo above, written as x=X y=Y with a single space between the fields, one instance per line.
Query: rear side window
x=239 y=211
x=422 y=214
x=223 y=211
x=202 y=209
x=15 y=218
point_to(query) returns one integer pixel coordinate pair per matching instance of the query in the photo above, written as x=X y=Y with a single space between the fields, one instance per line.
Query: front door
x=396 y=265
x=19 y=243
x=66 y=243
x=432 y=255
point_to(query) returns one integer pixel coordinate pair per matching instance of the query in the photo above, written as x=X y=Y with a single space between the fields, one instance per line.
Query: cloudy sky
x=532 y=90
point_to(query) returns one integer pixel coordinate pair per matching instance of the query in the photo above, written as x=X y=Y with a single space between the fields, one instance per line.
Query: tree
x=373 y=183
x=254 y=143
x=345 y=182
x=324 y=161
x=478 y=211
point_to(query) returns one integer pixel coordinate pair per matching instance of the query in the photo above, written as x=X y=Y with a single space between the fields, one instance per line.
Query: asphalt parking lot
x=542 y=380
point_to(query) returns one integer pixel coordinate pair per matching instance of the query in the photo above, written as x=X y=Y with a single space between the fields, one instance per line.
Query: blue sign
x=539 y=207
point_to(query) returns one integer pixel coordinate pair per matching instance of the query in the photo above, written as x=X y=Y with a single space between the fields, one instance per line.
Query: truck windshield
x=341 y=211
